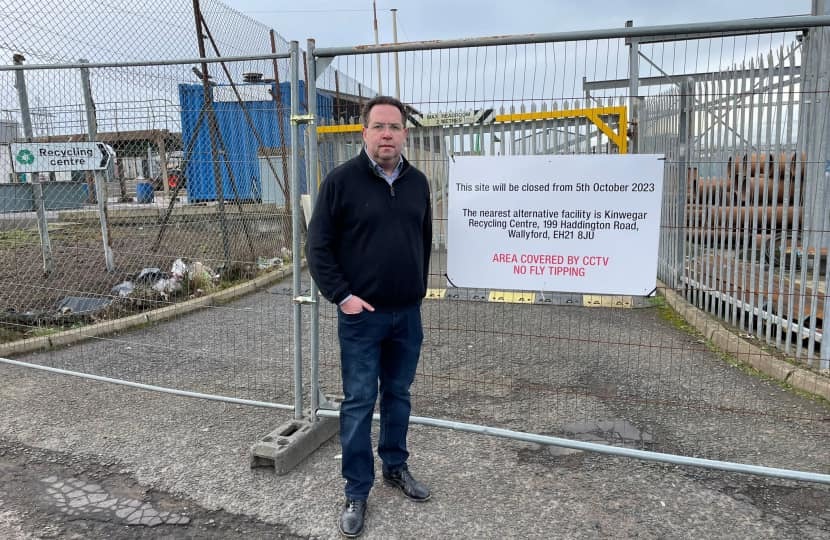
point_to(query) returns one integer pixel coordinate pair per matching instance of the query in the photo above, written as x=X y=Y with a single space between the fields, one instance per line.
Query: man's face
x=384 y=135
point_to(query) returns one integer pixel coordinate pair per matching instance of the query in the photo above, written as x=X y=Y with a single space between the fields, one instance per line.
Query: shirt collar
x=376 y=166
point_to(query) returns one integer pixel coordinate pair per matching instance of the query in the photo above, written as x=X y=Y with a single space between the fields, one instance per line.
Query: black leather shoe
x=352 y=518
x=410 y=487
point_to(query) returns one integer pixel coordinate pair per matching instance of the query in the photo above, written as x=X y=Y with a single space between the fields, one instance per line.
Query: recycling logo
x=25 y=157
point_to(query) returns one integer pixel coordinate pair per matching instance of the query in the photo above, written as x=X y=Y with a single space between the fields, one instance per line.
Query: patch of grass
x=18 y=237
x=7 y=335
x=31 y=237
x=668 y=314
x=42 y=331
x=74 y=232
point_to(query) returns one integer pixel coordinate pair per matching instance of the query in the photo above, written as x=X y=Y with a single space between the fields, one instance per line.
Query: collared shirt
x=390 y=178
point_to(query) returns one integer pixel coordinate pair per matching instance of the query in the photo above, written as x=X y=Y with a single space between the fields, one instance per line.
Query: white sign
x=577 y=223
x=457 y=118
x=54 y=157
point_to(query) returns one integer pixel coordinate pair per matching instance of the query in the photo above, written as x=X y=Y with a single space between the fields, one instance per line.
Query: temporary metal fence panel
x=86 y=247
x=142 y=247
x=581 y=366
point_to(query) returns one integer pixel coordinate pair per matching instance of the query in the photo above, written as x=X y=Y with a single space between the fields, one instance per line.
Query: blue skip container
x=144 y=192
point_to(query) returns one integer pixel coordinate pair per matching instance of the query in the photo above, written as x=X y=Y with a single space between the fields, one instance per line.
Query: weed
x=18 y=237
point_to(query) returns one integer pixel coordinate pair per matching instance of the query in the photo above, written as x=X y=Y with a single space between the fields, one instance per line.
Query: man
x=368 y=251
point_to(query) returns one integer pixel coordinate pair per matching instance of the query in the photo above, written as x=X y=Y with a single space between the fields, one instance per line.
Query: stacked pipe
x=757 y=197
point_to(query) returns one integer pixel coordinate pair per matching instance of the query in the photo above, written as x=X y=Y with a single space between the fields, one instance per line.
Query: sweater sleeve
x=321 y=246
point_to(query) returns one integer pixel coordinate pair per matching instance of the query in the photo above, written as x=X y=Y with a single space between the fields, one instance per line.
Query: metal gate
x=580 y=368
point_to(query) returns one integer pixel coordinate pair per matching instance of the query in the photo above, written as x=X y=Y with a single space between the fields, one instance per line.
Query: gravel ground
x=623 y=377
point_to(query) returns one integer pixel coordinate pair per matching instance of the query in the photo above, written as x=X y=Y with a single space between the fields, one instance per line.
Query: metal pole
x=813 y=142
x=100 y=184
x=645 y=455
x=817 y=78
x=280 y=120
x=686 y=135
x=314 y=346
x=212 y=125
x=395 y=40
x=23 y=97
x=377 y=56
x=671 y=32
x=150 y=387
x=163 y=173
x=336 y=115
x=295 y=228
x=34 y=181
x=633 y=91
x=149 y=161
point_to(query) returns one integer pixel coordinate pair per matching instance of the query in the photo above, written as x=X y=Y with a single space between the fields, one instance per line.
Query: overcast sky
x=349 y=22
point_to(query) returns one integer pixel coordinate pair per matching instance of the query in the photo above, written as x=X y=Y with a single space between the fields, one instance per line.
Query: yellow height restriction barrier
x=342 y=128
x=597 y=115
x=594 y=114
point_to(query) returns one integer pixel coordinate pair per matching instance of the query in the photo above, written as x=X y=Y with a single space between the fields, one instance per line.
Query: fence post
x=814 y=142
x=814 y=135
x=163 y=172
x=633 y=91
x=100 y=184
x=280 y=121
x=685 y=136
x=395 y=40
x=814 y=129
x=295 y=228
x=311 y=157
x=34 y=181
x=213 y=135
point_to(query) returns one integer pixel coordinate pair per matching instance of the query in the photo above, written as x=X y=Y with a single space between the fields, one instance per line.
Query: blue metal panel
x=240 y=143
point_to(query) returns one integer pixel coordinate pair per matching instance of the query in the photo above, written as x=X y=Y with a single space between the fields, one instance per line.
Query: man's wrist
x=345 y=300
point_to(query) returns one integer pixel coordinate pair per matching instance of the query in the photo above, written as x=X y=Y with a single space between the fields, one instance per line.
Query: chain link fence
x=198 y=172
x=191 y=202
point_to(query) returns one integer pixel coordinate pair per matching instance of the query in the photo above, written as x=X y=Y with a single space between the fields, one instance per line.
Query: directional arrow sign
x=54 y=157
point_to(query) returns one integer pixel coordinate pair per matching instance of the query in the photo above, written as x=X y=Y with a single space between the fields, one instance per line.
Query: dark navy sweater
x=371 y=239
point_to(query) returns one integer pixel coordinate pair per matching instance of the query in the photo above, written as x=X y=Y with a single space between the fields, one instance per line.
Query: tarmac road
x=82 y=459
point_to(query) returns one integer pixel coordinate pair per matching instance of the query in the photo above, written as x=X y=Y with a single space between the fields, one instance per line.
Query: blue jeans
x=376 y=347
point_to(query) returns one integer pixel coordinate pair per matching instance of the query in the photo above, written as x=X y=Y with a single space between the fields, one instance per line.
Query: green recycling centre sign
x=55 y=157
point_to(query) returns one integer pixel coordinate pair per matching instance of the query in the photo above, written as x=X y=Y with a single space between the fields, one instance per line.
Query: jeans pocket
x=351 y=318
